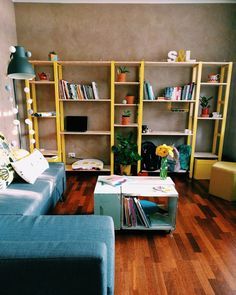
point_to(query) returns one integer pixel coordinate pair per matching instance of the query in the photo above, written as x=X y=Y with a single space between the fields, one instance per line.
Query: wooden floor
x=199 y=258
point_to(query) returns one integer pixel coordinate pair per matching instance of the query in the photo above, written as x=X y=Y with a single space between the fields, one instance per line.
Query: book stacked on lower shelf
x=141 y=212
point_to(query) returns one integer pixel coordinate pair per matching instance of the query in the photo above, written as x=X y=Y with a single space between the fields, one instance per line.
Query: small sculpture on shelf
x=121 y=74
x=204 y=103
x=125 y=120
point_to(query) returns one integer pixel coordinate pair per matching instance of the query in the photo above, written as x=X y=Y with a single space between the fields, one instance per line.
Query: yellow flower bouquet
x=164 y=151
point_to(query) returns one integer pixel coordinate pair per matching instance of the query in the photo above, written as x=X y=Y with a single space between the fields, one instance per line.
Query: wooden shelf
x=209 y=118
x=125 y=126
x=158 y=170
x=125 y=104
x=86 y=100
x=85 y=63
x=86 y=133
x=171 y=133
x=106 y=168
x=50 y=155
x=212 y=84
x=44 y=117
x=205 y=155
x=127 y=83
x=127 y=63
x=170 y=101
x=42 y=82
x=41 y=62
x=170 y=64
x=209 y=63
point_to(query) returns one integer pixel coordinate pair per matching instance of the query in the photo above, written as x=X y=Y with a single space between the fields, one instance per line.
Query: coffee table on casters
x=108 y=200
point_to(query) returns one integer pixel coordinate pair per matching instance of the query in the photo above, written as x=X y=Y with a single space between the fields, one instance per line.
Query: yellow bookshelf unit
x=169 y=120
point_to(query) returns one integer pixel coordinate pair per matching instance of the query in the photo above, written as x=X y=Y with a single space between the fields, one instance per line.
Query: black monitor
x=76 y=123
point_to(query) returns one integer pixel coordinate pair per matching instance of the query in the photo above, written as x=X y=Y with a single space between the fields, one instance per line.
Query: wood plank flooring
x=199 y=258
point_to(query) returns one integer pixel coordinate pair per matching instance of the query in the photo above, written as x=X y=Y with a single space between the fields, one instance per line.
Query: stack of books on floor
x=139 y=212
x=78 y=91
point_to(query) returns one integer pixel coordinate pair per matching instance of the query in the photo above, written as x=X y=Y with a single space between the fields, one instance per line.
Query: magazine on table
x=114 y=180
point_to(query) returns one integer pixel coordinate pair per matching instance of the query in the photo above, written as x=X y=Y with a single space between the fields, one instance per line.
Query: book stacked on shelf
x=185 y=92
x=148 y=91
x=78 y=91
x=141 y=212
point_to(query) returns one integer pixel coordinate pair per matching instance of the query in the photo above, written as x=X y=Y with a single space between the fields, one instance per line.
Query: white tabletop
x=139 y=186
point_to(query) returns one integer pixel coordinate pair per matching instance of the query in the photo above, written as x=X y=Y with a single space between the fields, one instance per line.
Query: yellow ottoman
x=223 y=180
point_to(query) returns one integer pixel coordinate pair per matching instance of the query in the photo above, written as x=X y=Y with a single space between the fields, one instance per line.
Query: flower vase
x=164 y=167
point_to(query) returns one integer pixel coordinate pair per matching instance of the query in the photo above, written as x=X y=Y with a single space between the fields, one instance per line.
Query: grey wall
x=8 y=38
x=131 y=32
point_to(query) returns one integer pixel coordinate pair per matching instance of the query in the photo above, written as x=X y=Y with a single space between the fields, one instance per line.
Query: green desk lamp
x=19 y=67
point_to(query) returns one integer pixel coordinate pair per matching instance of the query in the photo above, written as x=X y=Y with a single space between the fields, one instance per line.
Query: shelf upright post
x=218 y=109
x=62 y=127
x=28 y=108
x=140 y=112
x=198 y=86
x=35 y=119
x=226 y=100
x=112 y=137
x=191 y=105
x=57 y=107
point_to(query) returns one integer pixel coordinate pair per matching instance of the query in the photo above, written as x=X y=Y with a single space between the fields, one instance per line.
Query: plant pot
x=130 y=99
x=125 y=169
x=205 y=112
x=125 y=120
x=121 y=77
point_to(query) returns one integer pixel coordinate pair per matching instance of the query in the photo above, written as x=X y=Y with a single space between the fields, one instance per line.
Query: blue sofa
x=52 y=254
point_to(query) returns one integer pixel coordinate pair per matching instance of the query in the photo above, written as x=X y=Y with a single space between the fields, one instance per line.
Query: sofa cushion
x=34 y=199
x=62 y=228
x=81 y=267
x=31 y=166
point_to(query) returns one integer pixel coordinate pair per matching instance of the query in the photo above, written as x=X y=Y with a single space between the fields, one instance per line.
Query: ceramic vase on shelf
x=163 y=169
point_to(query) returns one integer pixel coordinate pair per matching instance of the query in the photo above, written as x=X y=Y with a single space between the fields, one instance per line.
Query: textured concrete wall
x=132 y=32
x=7 y=37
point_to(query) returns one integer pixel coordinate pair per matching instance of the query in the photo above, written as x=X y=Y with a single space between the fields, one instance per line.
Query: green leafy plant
x=126 y=151
x=204 y=101
x=126 y=113
x=122 y=70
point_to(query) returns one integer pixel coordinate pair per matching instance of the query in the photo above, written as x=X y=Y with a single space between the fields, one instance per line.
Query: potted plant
x=121 y=74
x=204 y=103
x=125 y=120
x=52 y=56
x=129 y=98
x=126 y=153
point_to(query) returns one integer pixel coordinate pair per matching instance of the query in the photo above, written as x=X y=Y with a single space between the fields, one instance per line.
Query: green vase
x=164 y=167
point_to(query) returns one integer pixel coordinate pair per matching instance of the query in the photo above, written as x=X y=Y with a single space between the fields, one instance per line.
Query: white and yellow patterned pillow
x=31 y=166
x=6 y=170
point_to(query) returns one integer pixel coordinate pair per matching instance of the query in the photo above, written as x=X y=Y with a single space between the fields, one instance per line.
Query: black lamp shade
x=19 y=66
